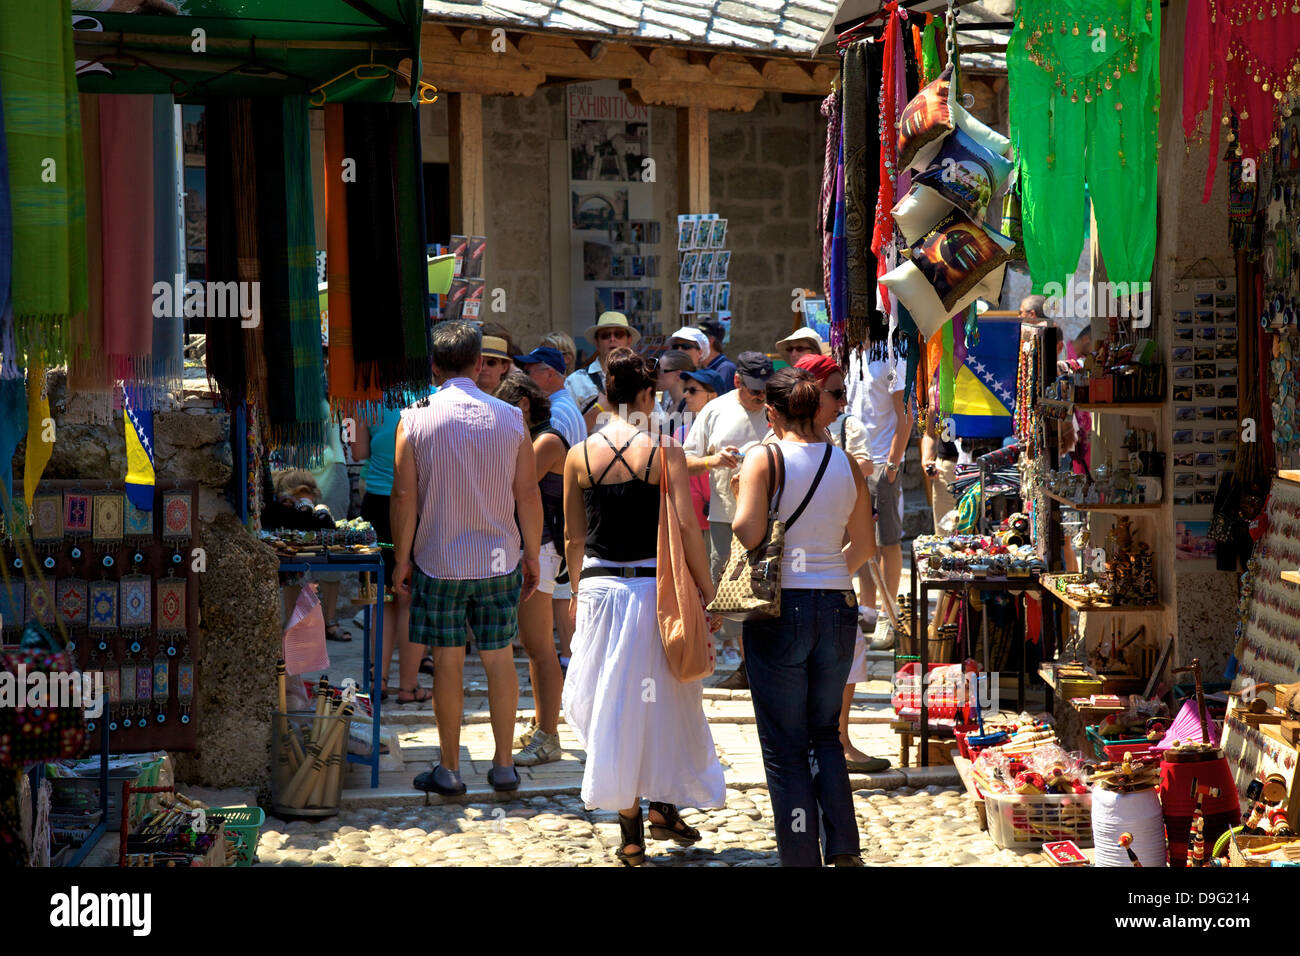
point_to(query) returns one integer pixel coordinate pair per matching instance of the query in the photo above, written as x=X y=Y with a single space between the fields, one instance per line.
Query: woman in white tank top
x=798 y=663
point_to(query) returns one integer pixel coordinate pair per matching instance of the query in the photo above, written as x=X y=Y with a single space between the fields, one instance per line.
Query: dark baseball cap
x=545 y=355
x=712 y=328
x=708 y=378
x=754 y=369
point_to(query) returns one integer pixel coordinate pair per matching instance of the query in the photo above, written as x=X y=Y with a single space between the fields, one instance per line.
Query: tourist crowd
x=522 y=501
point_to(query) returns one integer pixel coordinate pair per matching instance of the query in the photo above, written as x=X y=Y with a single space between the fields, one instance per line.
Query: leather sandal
x=632 y=833
x=674 y=827
x=416 y=695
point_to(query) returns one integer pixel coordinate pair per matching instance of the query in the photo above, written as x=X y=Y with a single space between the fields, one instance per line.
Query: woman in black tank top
x=644 y=731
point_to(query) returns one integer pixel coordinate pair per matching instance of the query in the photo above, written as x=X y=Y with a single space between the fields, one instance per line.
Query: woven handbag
x=42 y=731
x=750 y=586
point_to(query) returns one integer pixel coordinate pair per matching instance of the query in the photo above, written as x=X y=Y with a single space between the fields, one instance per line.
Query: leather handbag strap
x=775 y=476
x=826 y=459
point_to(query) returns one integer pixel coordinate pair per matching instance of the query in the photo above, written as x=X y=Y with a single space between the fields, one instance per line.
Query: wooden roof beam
x=690 y=96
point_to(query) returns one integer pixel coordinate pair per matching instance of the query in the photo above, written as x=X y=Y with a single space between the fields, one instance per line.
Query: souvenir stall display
x=702 y=271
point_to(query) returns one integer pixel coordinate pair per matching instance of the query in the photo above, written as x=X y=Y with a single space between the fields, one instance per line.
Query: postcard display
x=703 y=266
x=614 y=233
x=1203 y=385
x=119 y=585
x=464 y=300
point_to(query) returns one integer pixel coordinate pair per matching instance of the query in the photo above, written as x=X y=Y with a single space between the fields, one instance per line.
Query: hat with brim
x=495 y=347
x=691 y=335
x=613 y=320
x=810 y=335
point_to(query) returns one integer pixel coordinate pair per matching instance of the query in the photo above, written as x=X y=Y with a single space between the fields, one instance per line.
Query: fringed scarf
x=46 y=176
x=348 y=399
x=228 y=155
x=287 y=264
x=87 y=363
x=862 y=67
x=385 y=255
x=830 y=109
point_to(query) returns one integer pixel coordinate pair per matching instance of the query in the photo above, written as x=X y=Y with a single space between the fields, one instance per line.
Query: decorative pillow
x=926 y=118
x=934 y=113
x=966 y=174
x=950 y=267
x=918 y=211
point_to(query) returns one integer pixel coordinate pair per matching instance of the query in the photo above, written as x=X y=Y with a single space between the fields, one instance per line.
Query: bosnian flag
x=139 y=446
x=984 y=395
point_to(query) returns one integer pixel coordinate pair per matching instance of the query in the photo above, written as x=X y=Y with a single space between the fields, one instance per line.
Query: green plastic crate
x=245 y=821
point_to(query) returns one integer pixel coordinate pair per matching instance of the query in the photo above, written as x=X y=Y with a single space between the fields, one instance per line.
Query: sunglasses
x=835 y=393
x=694 y=390
x=611 y=334
x=677 y=344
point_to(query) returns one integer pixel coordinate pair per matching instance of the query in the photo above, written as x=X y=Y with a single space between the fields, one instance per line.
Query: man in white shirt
x=545 y=366
x=876 y=398
x=716 y=443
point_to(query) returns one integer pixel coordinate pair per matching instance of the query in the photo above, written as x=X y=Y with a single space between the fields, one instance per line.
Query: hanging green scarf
x=46 y=176
x=947 y=376
x=411 y=260
x=930 y=67
x=1084 y=80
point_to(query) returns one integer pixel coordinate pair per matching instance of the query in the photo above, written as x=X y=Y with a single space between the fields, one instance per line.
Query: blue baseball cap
x=545 y=355
x=708 y=378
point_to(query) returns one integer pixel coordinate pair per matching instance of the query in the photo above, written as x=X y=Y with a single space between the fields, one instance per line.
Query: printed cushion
x=918 y=211
x=966 y=174
x=926 y=117
x=948 y=268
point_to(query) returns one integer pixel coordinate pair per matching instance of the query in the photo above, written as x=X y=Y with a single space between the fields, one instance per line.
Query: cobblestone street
x=907 y=816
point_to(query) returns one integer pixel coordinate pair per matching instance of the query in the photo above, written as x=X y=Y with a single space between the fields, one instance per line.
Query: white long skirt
x=644 y=731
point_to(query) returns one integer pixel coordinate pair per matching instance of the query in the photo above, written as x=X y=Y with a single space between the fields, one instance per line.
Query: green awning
x=250 y=48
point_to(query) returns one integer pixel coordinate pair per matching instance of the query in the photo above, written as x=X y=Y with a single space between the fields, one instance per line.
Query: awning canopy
x=250 y=47
x=982 y=49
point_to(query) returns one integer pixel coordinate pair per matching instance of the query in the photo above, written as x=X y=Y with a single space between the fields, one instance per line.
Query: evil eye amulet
x=135 y=647
x=103 y=645
x=137 y=557
x=161 y=718
x=185 y=718
x=18 y=562
x=76 y=554
x=108 y=561
x=171 y=652
x=126 y=722
x=49 y=562
x=176 y=558
x=112 y=725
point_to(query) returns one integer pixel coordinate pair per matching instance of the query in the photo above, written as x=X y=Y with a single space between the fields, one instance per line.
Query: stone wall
x=239 y=608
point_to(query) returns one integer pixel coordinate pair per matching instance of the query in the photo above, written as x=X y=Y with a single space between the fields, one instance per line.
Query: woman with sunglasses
x=850 y=434
x=700 y=387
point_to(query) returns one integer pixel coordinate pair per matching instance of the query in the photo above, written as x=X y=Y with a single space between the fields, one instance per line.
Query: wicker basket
x=1026 y=822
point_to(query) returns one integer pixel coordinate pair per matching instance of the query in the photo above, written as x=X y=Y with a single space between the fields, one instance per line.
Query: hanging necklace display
x=137 y=525
x=40 y=602
x=76 y=514
x=47 y=520
x=177 y=516
x=161 y=687
x=185 y=682
x=107 y=524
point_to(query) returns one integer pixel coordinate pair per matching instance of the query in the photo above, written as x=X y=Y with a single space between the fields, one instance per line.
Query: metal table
x=921 y=586
x=371 y=676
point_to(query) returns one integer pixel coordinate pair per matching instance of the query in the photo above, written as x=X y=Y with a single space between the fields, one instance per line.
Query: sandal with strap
x=674 y=827
x=416 y=695
x=632 y=833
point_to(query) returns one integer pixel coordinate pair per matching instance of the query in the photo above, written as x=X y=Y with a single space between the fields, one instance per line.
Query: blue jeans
x=798 y=665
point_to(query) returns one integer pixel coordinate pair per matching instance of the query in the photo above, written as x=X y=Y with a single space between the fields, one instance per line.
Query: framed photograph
x=1228 y=371
x=707 y=292
x=1206 y=479
x=1184 y=413
x=723 y=299
x=685 y=233
x=1226 y=436
x=1228 y=301
x=1184 y=373
x=1183 y=459
x=1204 y=389
x=1204 y=318
x=1228 y=390
x=1225 y=317
x=618 y=300
x=1206 y=413
x=1182 y=354
x=617 y=267
x=1228 y=413
x=1225 y=350
x=1183 y=499
x=1184 y=333
x=1228 y=333
x=1205 y=333
x=1204 y=371
x=704 y=231
x=637 y=264
x=1205 y=459
x=690 y=298
x=1203 y=353
x=1184 y=479
x=687 y=273
x=1203 y=300
x=1183 y=393
x=718 y=237
x=1205 y=437
x=1205 y=497
x=1192 y=539
x=1183 y=318
x=1183 y=436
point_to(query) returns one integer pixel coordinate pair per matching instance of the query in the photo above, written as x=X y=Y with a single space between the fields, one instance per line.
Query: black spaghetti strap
x=618 y=456
x=648 y=463
x=587 y=459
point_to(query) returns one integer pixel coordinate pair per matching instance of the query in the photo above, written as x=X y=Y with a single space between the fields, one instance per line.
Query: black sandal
x=673 y=827
x=632 y=833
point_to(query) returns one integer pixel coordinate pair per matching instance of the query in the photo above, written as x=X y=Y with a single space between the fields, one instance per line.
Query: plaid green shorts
x=440 y=609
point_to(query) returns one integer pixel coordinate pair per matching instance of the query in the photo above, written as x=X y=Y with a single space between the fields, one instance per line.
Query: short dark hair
x=456 y=346
x=794 y=394
x=515 y=386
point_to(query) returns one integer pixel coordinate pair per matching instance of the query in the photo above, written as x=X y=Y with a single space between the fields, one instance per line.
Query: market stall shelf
x=1050 y=586
x=1111 y=509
